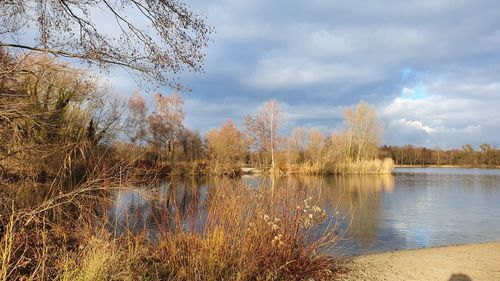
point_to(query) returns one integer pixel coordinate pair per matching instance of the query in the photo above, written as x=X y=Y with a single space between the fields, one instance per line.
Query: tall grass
x=246 y=234
x=364 y=167
x=346 y=167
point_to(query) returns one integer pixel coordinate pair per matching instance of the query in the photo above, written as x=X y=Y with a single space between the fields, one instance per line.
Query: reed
x=364 y=167
x=247 y=234
x=347 y=167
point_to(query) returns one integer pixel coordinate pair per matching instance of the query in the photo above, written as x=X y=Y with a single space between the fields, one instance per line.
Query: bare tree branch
x=156 y=39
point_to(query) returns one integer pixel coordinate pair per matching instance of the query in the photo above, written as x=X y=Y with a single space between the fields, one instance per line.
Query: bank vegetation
x=50 y=110
x=68 y=143
x=484 y=156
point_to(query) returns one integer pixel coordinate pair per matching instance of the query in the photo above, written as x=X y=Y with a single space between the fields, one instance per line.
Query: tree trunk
x=272 y=140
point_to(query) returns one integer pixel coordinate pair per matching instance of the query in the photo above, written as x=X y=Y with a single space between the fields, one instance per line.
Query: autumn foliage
x=226 y=149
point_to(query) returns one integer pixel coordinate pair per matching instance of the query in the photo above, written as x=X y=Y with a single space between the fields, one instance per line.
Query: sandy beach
x=452 y=263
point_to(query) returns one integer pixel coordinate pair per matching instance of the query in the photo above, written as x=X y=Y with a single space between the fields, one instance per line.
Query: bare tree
x=226 y=147
x=52 y=115
x=136 y=123
x=297 y=143
x=486 y=151
x=165 y=123
x=270 y=115
x=156 y=39
x=263 y=128
x=316 y=146
x=364 y=131
x=191 y=143
x=469 y=154
x=334 y=147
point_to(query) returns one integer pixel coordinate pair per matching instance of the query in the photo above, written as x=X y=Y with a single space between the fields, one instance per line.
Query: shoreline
x=465 y=262
x=447 y=167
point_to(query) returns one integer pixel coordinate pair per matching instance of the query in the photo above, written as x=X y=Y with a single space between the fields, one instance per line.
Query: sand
x=454 y=263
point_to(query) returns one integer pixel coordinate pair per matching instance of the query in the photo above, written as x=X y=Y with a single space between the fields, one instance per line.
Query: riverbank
x=452 y=263
x=446 y=166
x=243 y=233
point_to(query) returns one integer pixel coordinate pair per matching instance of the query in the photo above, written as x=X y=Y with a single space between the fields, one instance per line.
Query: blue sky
x=431 y=67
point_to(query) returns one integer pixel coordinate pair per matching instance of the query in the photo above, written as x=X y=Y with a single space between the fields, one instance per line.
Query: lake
x=412 y=208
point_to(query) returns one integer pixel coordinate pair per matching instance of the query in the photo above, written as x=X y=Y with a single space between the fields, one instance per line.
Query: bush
x=247 y=234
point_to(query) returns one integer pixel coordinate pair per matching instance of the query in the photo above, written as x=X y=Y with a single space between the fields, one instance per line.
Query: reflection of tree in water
x=182 y=202
x=175 y=204
x=130 y=211
x=179 y=204
x=356 y=198
x=364 y=196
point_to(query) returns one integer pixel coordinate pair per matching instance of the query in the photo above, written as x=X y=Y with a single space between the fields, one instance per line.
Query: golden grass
x=365 y=167
x=248 y=234
x=362 y=167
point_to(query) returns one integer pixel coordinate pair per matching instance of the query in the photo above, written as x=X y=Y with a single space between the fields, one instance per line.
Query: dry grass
x=251 y=234
x=102 y=258
x=362 y=167
x=247 y=234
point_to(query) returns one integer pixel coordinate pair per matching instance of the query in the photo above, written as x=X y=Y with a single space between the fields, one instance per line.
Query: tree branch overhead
x=157 y=39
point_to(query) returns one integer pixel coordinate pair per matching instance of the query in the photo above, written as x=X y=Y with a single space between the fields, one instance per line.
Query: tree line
x=226 y=149
x=52 y=113
x=486 y=156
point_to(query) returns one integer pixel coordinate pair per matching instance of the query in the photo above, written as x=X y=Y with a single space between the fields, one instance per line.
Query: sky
x=430 y=67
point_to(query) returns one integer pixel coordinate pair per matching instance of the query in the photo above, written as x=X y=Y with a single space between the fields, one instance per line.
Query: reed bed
x=246 y=234
x=362 y=167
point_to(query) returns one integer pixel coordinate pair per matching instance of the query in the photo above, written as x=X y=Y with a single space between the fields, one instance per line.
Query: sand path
x=475 y=262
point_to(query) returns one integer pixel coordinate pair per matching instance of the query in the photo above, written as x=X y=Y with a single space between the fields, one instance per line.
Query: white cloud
x=285 y=73
x=414 y=125
x=318 y=56
x=451 y=113
x=406 y=92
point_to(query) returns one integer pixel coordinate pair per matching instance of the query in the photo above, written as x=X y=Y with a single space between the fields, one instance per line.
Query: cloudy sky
x=431 y=67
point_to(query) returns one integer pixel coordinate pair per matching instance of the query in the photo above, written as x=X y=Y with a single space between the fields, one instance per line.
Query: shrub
x=246 y=234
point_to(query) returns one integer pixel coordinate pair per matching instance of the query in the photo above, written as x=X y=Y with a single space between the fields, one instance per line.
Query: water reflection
x=411 y=209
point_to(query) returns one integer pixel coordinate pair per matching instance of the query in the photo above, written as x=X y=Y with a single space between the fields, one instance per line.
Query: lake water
x=413 y=208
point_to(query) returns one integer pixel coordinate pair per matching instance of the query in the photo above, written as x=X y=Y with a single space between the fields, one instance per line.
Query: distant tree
x=197 y=145
x=469 y=157
x=364 y=131
x=106 y=115
x=263 y=128
x=487 y=151
x=153 y=38
x=136 y=123
x=271 y=114
x=191 y=143
x=316 y=146
x=438 y=153
x=335 y=147
x=412 y=155
x=296 y=145
x=226 y=148
x=166 y=122
x=426 y=156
